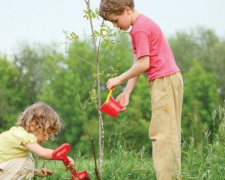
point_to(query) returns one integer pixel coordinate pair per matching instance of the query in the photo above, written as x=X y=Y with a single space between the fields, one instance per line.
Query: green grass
x=200 y=160
x=198 y=163
x=126 y=165
x=123 y=165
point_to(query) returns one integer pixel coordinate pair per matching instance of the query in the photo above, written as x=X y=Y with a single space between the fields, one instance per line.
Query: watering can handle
x=107 y=100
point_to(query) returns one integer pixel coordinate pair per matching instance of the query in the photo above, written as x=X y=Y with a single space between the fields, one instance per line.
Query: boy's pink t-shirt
x=148 y=40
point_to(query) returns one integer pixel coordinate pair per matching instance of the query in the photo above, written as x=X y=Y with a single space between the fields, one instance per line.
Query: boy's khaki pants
x=17 y=169
x=165 y=127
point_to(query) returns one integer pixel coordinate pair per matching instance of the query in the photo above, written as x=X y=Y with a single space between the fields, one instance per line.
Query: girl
x=34 y=126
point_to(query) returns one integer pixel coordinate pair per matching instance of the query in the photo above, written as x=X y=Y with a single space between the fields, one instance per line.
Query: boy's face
x=123 y=22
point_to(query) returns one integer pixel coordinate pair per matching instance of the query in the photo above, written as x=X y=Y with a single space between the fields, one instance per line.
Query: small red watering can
x=111 y=106
x=60 y=153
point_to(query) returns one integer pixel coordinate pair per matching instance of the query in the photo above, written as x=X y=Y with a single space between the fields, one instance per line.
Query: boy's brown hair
x=114 y=7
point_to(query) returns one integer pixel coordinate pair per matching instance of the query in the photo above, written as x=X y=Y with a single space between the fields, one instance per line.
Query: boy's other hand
x=123 y=100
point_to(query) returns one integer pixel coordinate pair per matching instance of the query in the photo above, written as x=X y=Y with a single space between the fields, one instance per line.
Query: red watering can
x=111 y=106
x=60 y=153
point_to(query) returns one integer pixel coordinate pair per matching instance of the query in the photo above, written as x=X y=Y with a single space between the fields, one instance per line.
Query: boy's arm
x=139 y=66
x=124 y=97
x=131 y=82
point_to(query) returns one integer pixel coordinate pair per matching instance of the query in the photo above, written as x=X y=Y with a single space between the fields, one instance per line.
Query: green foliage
x=205 y=46
x=107 y=34
x=90 y=14
x=40 y=72
x=71 y=36
x=185 y=49
x=217 y=65
x=200 y=99
x=124 y=164
x=71 y=76
x=206 y=161
x=9 y=93
x=199 y=161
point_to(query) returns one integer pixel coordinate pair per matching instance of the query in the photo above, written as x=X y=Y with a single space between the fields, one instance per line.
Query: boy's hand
x=123 y=100
x=43 y=172
x=113 y=82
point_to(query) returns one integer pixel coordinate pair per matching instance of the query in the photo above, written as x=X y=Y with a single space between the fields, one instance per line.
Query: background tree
x=200 y=99
x=70 y=75
x=9 y=94
x=43 y=73
x=202 y=44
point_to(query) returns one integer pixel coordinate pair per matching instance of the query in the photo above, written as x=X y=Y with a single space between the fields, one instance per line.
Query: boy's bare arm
x=131 y=82
x=140 y=66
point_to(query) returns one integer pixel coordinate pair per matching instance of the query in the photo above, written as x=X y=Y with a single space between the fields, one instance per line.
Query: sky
x=43 y=21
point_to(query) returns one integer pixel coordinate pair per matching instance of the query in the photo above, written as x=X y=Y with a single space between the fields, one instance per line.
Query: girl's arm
x=44 y=152
x=39 y=150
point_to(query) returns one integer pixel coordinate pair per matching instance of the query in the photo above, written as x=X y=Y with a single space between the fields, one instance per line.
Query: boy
x=152 y=55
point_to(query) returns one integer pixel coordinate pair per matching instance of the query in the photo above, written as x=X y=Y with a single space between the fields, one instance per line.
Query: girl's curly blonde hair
x=43 y=116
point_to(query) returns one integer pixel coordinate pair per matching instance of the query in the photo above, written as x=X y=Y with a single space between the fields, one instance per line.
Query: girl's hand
x=43 y=172
x=71 y=163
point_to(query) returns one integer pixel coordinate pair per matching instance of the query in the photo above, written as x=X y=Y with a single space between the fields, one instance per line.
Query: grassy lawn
x=198 y=163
